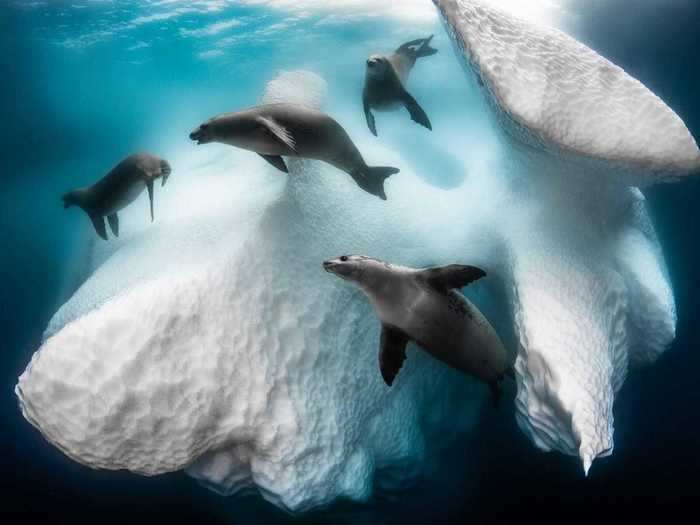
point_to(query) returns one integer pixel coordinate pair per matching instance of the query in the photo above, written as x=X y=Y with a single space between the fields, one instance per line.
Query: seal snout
x=196 y=135
x=328 y=266
x=201 y=134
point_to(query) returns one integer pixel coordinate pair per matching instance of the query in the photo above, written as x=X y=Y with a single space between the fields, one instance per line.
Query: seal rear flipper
x=113 y=220
x=149 y=185
x=392 y=352
x=98 y=222
x=414 y=109
x=371 y=124
x=276 y=161
x=452 y=276
x=278 y=133
x=371 y=179
x=423 y=51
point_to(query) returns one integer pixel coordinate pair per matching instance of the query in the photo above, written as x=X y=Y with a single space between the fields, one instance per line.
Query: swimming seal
x=424 y=306
x=290 y=130
x=385 y=82
x=119 y=188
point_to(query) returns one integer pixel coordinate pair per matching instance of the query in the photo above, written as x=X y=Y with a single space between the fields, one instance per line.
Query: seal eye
x=344 y=258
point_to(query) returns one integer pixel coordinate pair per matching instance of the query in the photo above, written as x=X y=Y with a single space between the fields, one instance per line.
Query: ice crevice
x=212 y=341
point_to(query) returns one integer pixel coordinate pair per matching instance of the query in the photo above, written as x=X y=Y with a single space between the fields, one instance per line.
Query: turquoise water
x=87 y=83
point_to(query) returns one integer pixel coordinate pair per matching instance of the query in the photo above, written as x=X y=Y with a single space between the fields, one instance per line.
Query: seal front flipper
x=452 y=276
x=279 y=132
x=113 y=220
x=149 y=185
x=276 y=161
x=392 y=352
x=99 y=223
x=371 y=124
x=414 y=109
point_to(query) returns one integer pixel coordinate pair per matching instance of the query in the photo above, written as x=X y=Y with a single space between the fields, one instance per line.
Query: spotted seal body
x=290 y=130
x=385 y=82
x=424 y=306
x=119 y=188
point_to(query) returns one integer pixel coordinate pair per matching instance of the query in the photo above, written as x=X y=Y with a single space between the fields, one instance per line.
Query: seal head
x=378 y=66
x=355 y=268
x=204 y=134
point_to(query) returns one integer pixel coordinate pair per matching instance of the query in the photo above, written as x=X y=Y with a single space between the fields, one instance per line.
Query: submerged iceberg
x=215 y=342
x=212 y=341
x=590 y=292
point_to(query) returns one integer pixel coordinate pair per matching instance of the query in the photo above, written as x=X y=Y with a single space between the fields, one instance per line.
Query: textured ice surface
x=652 y=325
x=213 y=341
x=590 y=293
x=555 y=92
x=218 y=344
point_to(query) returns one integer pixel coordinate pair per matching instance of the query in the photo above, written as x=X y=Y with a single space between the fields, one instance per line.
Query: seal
x=423 y=306
x=276 y=130
x=119 y=188
x=385 y=82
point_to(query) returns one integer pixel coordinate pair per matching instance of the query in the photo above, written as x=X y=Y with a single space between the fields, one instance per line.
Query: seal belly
x=451 y=329
x=383 y=93
x=120 y=200
x=386 y=105
x=402 y=66
x=258 y=141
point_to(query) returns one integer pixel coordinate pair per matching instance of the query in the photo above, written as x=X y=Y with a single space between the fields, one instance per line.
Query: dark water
x=653 y=475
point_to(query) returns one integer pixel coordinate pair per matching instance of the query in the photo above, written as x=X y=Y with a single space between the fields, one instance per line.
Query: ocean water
x=88 y=82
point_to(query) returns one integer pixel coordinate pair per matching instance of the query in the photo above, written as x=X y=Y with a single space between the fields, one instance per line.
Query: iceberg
x=590 y=292
x=213 y=342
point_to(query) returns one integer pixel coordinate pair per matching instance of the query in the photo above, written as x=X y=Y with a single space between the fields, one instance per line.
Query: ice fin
x=587 y=461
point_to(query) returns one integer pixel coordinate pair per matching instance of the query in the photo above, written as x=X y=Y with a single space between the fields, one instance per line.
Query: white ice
x=590 y=292
x=212 y=340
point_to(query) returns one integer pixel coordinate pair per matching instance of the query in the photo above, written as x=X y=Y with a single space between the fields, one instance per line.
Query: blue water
x=85 y=86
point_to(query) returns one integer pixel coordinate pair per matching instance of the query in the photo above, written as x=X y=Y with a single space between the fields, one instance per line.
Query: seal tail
x=425 y=50
x=371 y=179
